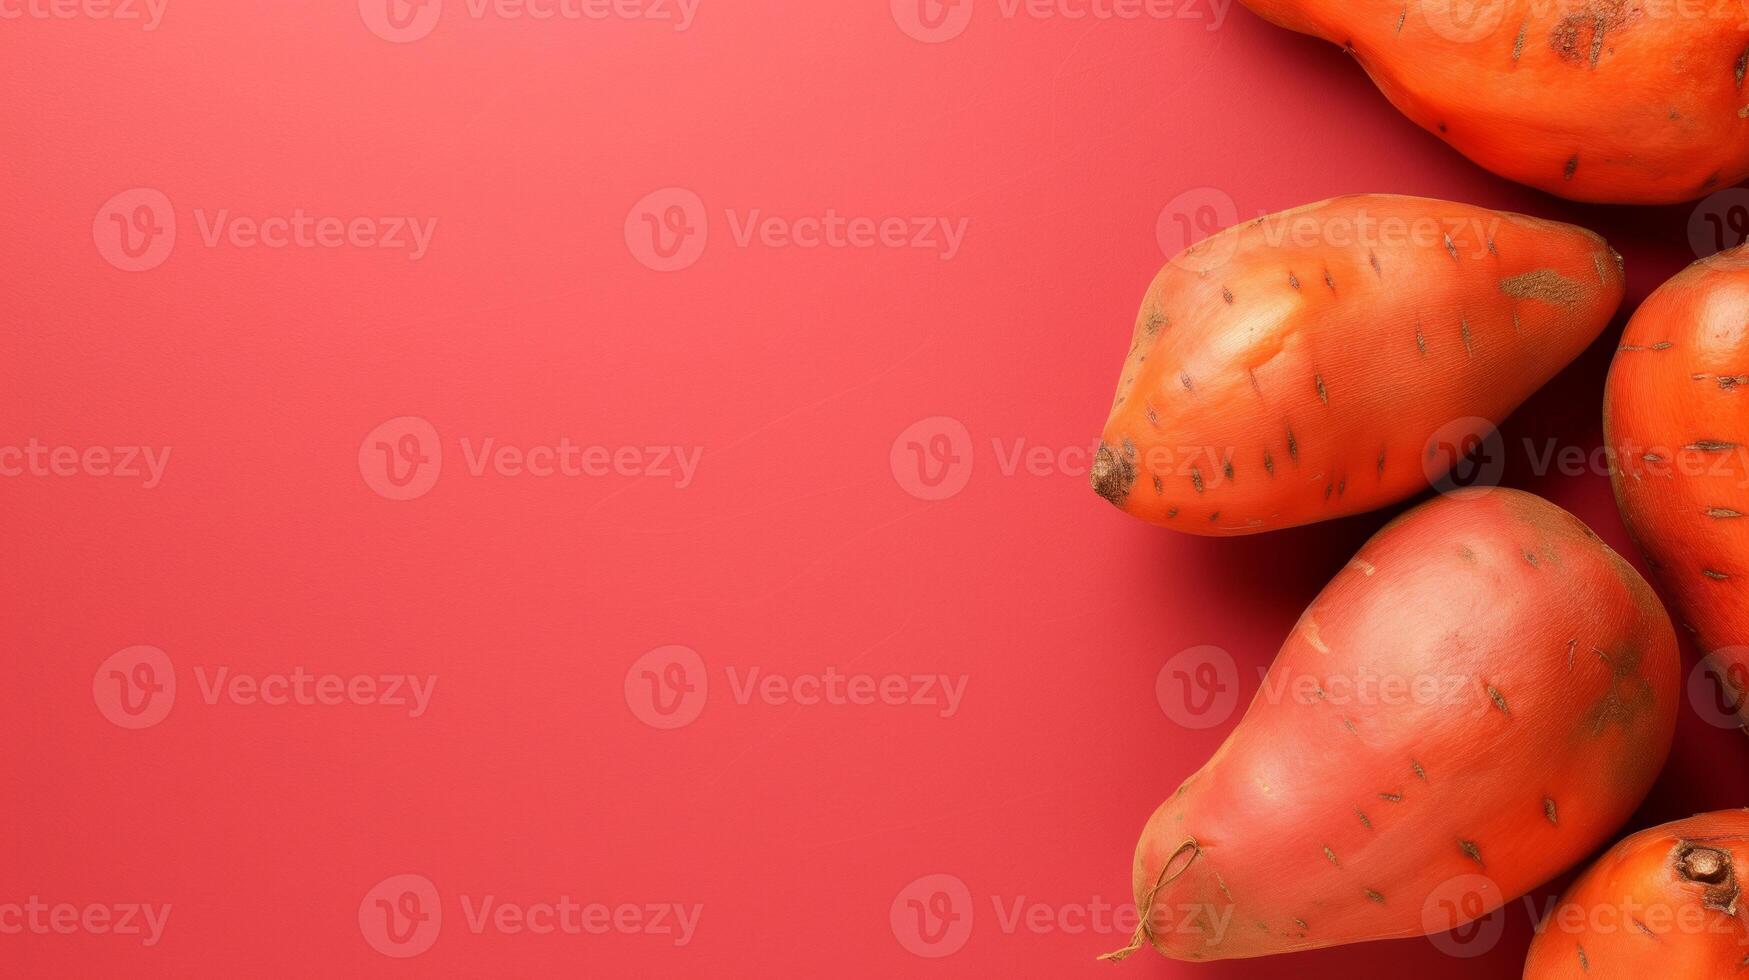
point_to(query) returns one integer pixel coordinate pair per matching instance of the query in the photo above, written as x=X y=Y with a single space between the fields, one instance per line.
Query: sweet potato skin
x=1296 y=368
x=1325 y=820
x=1677 y=422
x=1607 y=101
x=1664 y=902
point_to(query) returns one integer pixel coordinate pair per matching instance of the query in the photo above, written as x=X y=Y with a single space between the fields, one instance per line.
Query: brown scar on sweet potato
x=1546 y=285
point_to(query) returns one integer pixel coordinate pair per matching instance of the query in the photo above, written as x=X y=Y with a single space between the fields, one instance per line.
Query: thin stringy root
x=1144 y=934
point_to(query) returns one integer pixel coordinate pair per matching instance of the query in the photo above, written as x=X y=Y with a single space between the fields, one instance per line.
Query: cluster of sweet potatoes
x=1326 y=361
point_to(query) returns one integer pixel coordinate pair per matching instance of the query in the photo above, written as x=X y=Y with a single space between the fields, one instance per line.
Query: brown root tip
x=1144 y=933
x=1112 y=475
x=1712 y=868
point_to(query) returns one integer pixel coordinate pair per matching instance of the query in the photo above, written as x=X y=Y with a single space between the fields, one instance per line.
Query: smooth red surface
x=804 y=540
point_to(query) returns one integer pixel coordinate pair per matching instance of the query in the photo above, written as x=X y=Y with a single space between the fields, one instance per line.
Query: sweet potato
x=1665 y=902
x=1616 y=101
x=1677 y=423
x=1485 y=689
x=1298 y=367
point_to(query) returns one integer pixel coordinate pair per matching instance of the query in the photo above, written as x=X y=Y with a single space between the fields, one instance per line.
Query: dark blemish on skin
x=1451 y=246
x=1375 y=896
x=1329 y=488
x=1381 y=462
x=1518 y=45
x=1341 y=488
x=1350 y=726
x=1159 y=488
x=1156 y=320
x=1172 y=513
x=1652 y=458
x=1471 y=850
x=1642 y=927
x=1710 y=446
x=1549 y=810
x=1579 y=38
x=1517 y=323
x=1498 y=699
x=1571 y=168
x=1323 y=395
x=1722 y=513
x=1153 y=416
x=1584 y=961
x=1442 y=127
x=1420 y=773
x=1293 y=447
x=1301 y=923
x=1223 y=883
x=1363 y=819
x=1332 y=856
x=1269 y=462
x=1402 y=19
x=1420 y=340
x=1597 y=263
x=1129 y=449
x=1466 y=554
x=1530 y=556
x=1572 y=647
x=1196 y=478
x=1329 y=281
x=1376 y=268
x=1715 y=576
x=1214 y=517
x=1184 y=379
x=1742 y=66
x=1546 y=285
x=1255 y=384
x=1469 y=345
x=1293 y=280
x=1112 y=475
x=1228 y=469
x=1227 y=294
x=1491 y=249
x=1391 y=797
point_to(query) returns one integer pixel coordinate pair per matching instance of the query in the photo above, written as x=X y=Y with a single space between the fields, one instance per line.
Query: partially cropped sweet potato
x=1485 y=690
x=1666 y=902
x=1676 y=414
x=1300 y=367
x=1616 y=101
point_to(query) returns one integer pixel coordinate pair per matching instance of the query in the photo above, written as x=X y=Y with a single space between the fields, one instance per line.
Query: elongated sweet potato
x=1486 y=689
x=1666 y=902
x=1297 y=368
x=1617 y=101
x=1677 y=421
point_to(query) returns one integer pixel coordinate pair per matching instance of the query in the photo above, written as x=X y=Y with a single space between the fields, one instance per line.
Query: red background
x=796 y=547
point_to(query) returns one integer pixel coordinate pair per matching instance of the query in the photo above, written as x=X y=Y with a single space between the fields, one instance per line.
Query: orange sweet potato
x=1296 y=368
x=1666 y=902
x=1523 y=694
x=1617 y=101
x=1676 y=418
